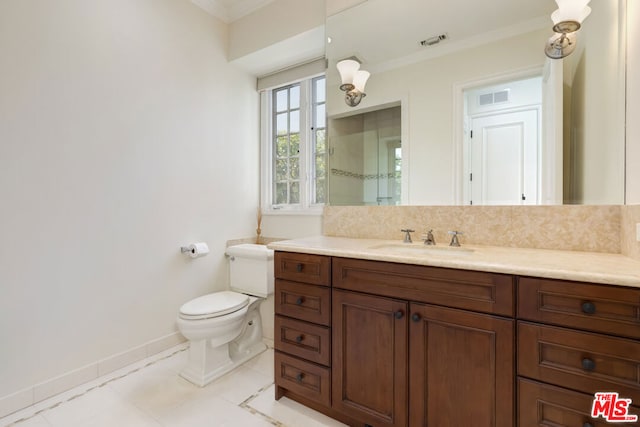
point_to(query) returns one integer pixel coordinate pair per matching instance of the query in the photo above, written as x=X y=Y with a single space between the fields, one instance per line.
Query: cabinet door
x=461 y=368
x=369 y=366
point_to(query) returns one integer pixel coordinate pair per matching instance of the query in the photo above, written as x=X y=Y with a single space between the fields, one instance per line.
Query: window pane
x=321 y=145
x=294 y=147
x=294 y=95
x=320 y=89
x=281 y=170
x=281 y=193
x=281 y=146
x=321 y=116
x=281 y=124
x=294 y=167
x=295 y=121
x=320 y=166
x=320 y=190
x=281 y=100
x=294 y=193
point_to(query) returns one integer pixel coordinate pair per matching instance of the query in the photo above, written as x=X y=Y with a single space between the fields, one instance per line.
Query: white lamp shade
x=347 y=69
x=571 y=10
x=360 y=80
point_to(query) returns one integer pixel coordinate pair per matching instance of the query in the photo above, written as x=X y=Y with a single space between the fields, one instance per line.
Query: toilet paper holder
x=195 y=250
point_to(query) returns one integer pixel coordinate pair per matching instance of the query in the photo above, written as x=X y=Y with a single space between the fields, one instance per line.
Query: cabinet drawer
x=313 y=269
x=302 y=339
x=470 y=290
x=599 y=308
x=581 y=361
x=304 y=302
x=304 y=378
x=546 y=405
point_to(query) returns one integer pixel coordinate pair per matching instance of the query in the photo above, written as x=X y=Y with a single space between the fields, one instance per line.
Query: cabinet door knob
x=415 y=317
x=399 y=314
x=299 y=338
x=299 y=377
x=588 y=364
x=588 y=307
x=299 y=301
x=299 y=267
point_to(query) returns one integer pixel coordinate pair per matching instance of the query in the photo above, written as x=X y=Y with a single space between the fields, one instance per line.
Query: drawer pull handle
x=588 y=364
x=299 y=301
x=299 y=267
x=415 y=317
x=299 y=377
x=399 y=314
x=587 y=425
x=588 y=307
x=299 y=338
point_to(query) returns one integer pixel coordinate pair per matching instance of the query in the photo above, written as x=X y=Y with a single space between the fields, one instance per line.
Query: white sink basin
x=414 y=249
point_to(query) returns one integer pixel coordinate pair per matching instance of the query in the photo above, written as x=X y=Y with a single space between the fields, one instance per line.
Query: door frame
x=461 y=126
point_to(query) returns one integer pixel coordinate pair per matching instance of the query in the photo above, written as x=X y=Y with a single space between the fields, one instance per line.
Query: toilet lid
x=213 y=305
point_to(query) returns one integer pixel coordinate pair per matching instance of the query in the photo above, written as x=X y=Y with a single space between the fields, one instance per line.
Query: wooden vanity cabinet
x=398 y=361
x=370 y=358
x=302 y=335
x=374 y=343
x=575 y=339
x=461 y=368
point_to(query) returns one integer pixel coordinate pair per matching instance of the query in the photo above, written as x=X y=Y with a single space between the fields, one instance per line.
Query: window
x=295 y=146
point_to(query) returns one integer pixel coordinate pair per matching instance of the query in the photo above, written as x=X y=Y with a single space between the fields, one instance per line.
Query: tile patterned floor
x=155 y=396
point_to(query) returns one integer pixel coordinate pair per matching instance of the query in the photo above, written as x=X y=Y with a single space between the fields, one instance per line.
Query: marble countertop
x=614 y=269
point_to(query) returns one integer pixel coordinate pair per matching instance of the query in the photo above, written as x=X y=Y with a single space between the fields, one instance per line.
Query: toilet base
x=208 y=363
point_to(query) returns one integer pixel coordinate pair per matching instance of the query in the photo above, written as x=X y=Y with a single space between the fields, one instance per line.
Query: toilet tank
x=251 y=269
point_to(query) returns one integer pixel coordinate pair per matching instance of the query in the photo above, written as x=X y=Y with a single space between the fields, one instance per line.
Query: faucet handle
x=454 y=238
x=407 y=235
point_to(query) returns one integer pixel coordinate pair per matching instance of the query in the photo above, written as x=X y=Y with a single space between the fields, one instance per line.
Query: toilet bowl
x=224 y=328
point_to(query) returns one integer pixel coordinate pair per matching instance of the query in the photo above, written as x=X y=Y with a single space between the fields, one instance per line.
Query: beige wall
x=277 y=21
x=125 y=134
x=633 y=102
x=594 y=172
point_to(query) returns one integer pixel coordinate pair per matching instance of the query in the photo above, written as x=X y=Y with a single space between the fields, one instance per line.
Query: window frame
x=306 y=156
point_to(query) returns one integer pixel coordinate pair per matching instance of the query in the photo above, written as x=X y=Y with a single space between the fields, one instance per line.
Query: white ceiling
x=231 y=10
x=385 y=34
x=384 y=31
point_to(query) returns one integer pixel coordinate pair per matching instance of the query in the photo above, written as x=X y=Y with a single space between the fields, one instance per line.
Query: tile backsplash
x=576 y=228
x=630 y=217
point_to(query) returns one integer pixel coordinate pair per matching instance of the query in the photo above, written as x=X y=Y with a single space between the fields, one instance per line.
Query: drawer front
x=304 y=302
x=581 y=361
x=304 y=378
x=305 y=268
x=302 y=339
x=470 y=290
x=599 y=308
x=545 y=405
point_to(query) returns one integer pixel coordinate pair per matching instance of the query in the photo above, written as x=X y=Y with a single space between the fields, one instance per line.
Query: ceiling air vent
x=494 y=97
x=434 y=40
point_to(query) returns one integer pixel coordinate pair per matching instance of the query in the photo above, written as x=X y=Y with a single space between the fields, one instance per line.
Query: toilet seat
x=213 y=305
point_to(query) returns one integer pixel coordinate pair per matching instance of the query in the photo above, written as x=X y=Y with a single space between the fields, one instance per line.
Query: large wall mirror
x=463 y=106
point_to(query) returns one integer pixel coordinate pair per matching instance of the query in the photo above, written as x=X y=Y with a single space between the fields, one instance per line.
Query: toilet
x=224 y=328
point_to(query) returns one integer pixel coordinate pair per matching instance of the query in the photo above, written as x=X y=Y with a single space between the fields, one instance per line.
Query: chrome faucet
x=428 y=239
x=454 y=238
x=407 y=235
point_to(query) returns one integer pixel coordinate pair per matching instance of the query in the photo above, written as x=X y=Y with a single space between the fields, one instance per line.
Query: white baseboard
x=48 y=391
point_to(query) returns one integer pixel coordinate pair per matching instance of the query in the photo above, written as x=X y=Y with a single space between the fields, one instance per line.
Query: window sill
x=294 y=212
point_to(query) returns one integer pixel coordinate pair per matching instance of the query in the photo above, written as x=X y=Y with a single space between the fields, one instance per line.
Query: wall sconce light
x=353 y=81
x=567 y=19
